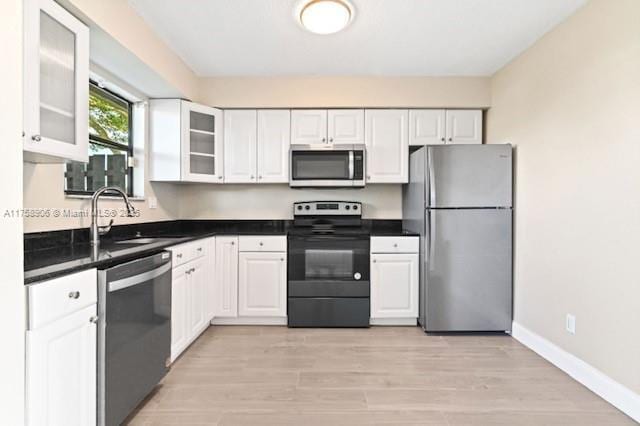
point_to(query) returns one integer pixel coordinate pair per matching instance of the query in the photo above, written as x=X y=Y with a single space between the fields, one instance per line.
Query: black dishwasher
x=134 y=334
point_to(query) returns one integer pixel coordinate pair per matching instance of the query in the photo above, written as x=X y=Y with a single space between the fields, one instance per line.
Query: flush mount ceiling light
x=326 y=16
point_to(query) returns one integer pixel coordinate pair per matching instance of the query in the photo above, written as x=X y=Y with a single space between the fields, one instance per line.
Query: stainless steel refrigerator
x=459 y=199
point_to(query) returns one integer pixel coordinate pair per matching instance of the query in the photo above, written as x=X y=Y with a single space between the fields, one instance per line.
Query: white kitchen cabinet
x=262 y=284
x=386 y=136
x=226 y=279
x=186 y=142
x=179 y=310
x=56 y=84
x=345 y=126
x=427 y=127
x=308 y=126
x=439 y=126
x=394 y=280
x=240 y=153
x=61 y=347
x=394 y=286
x=464 y=126
x=191 y=292
x=274 y=134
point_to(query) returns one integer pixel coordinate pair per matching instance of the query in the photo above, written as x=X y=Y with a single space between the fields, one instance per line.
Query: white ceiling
x=387 y=37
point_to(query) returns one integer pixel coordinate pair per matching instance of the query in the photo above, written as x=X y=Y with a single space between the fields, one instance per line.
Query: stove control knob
x=355 y=207
x=307 y=207
x=299 y=207
x=357 y=276
x=347 y=207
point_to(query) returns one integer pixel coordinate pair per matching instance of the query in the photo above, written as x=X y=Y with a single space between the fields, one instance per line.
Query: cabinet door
x=226 y=283
x=179 y=310
x=240 y=152
x=262 y=284
x=61 y=371
x=394 y=285
x=426 y=127
x=346 y=126
x=387 y=145
x=202 y=142
x=464 y=126
x=274 y=132
x=210 y=279
x=56 y=89
x=197 y=296
x=308 y=126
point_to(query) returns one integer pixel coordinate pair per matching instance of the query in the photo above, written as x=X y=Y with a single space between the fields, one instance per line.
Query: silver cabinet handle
x=219 y=177
x=74 y=294
x=233 y=243
x=93 y=319
x=395 y=245
x=282 y=259
x=199 y=248
x=324 y=139
x=443 y=139
x=330 y=139
x=179 y=255
x=450 y=139
x=36 y=138
x=374 y=261
x=261 y=243
x=252 y=177
x=260 y=177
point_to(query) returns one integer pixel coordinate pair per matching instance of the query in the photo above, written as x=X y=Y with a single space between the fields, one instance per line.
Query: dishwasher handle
x=138 y=279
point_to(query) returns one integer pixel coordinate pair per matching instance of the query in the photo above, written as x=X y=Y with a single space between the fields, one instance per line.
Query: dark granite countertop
x=51 y=254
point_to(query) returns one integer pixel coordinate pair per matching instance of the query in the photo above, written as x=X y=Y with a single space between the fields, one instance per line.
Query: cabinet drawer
x=187 y=252
x=263 y=243
x=53 y=299
x=395 y=245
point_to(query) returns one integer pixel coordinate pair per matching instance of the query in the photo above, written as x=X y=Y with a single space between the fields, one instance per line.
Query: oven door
x=333 y=168
x=328 y=266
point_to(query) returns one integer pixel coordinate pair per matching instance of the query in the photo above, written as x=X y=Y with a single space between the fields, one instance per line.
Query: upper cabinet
x=273 y=145
x=346 y=126
x=439 y=126
x=387 y=158
x=240 y=153
x=256 y=146
x=464 y=126
x=56 y=84
x=319 y=126
x=185 y=142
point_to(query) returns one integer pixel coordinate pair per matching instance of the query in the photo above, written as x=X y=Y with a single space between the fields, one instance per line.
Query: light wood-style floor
x=278 y=376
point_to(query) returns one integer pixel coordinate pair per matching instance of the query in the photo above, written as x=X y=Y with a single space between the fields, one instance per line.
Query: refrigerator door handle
x=432 y=190
x=431 y=229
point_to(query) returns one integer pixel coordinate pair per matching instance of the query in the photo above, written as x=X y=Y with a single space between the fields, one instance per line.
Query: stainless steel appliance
x=327 y=166
x=459 y=198
x=328 y=276
x=134 y=334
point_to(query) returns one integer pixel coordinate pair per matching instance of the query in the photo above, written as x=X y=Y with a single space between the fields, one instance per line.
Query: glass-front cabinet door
x=56 y=84
x=201 y=143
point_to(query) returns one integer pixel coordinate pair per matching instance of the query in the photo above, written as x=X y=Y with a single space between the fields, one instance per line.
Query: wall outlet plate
x=153 y=203
x=570 y=324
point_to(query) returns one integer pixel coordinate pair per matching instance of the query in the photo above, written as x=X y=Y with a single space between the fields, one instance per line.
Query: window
x=110 y=146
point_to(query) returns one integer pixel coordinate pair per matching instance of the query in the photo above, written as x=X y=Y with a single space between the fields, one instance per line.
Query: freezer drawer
x=463 y=176
x=468 y=270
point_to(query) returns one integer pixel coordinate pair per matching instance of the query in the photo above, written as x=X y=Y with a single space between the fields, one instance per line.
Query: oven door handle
x=351 y=167
x=138 y=279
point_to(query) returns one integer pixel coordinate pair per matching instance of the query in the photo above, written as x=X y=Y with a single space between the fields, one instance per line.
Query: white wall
x=571 y=106
x=12 y=294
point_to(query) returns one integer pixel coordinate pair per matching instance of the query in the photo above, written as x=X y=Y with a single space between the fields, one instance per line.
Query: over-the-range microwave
x=327 y=166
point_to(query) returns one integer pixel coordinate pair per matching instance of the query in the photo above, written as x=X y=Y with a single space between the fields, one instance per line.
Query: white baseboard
x=394 y=321
x=250 y=321
x=618 y=395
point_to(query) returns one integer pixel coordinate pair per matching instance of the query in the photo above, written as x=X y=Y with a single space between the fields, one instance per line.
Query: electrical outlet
x=153 y=203
x=571 y=324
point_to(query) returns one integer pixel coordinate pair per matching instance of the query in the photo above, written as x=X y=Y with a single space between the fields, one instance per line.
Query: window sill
x=107 y=197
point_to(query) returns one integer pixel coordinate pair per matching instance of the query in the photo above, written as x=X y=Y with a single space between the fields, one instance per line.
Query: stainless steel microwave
x=327 y=166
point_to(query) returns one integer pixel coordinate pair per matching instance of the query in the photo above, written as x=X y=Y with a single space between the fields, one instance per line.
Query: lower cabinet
x=251 y=280
x=191 y=290
x=61 y=351
x=262 y=284
x=394 y=281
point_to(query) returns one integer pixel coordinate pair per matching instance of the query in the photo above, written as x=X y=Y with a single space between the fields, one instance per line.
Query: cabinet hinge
x=132 y=162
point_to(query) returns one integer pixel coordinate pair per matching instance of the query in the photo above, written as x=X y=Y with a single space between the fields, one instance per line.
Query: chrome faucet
x=96 y=230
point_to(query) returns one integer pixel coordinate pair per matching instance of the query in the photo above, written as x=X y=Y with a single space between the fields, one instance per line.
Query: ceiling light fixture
x=326 y=16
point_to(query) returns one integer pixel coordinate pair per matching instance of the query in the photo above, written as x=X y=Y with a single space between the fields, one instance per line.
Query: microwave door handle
x=351 y=168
